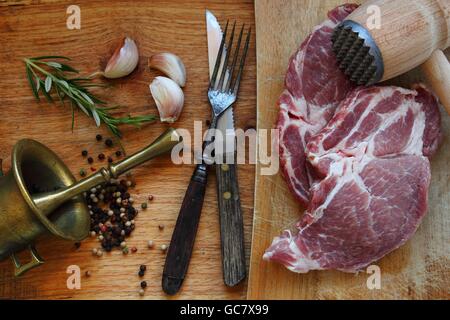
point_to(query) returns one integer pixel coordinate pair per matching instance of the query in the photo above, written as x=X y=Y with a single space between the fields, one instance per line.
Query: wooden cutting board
x=34 y=28
x=419 y=269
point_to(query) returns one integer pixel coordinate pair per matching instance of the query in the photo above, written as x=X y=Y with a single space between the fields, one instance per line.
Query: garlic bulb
x=171 y=65
x=169 y=98
x=123 y=61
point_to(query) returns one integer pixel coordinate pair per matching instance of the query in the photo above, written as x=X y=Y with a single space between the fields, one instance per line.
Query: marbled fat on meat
x=314 y=88
x=373 y=160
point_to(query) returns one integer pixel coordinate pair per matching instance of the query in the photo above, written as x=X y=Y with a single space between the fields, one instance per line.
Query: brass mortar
x=26 y=213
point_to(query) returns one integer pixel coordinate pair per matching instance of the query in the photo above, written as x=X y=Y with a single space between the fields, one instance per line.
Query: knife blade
x=230 y=212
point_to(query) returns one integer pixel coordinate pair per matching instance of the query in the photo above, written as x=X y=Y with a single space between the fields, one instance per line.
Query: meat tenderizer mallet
x=409 y=34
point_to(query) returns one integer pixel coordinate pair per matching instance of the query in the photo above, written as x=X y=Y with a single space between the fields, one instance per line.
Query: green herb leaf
x=76 y=90
x=55 y=65
x=50 y=57
x=48 y=84
x=67 y=68
x=96 y=117
x=38 y=83
x=31 y=82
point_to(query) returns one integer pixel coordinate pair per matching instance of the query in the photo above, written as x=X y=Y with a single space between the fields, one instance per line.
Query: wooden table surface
x=417 y=270
x=34 y=28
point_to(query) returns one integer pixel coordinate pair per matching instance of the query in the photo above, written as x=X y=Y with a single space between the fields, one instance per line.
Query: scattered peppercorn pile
x=115 y=222
x=110 y=206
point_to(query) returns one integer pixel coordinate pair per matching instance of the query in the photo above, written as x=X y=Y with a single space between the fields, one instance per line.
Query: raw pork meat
x=314 y=88
x=372 y=159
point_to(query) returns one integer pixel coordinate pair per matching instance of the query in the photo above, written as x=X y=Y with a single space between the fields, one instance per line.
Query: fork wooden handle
x=183 y=237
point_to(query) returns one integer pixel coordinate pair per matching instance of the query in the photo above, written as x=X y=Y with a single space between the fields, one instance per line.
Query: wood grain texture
x=419 y=269
x=32 y=28
x=231 y=224
x=185 y=231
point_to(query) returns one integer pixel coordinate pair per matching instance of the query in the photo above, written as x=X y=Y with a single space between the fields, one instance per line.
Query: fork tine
x=241 y=67
x=218 y=59
x=229 y=48
x=233 y=64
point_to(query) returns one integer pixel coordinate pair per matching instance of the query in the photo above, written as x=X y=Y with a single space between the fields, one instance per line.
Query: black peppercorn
x=144 y=284
x=141 y=273
x=110 y=160
x=84 y=153
x=118 y=153
x=101 y=156
x=90 y=160
x=109 y=142
x=143 y=268
x=98 y=137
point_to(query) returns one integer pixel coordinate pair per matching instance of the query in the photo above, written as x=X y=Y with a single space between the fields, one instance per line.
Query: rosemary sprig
x=49 y=77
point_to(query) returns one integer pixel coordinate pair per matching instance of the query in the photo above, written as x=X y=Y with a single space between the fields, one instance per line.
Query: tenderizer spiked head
x=357 y=54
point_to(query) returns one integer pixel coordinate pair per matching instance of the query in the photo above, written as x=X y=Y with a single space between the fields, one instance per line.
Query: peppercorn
x=118 y=153
x=84 y=153
x=150 y=244
x=110 y=160
x=101 y=156
x=141 y=292
x=77 y=245
x=161 y=227
x=99 y=137
x=90 y=160
x=141 y=273
x=143 y=284
x=150 y=197
x=82 y=172
x=143 y=267
x=109 y=142
x=163 y=248
x=87 y=273
x=144 y=205
x=133 y=249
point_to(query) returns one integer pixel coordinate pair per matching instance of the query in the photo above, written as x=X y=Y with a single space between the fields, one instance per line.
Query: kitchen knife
x=230 y=212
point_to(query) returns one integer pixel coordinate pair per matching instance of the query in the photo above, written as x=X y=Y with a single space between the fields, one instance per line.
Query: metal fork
x=222 y=93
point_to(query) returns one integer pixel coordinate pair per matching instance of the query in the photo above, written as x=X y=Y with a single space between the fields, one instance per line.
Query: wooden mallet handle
x=437 y=71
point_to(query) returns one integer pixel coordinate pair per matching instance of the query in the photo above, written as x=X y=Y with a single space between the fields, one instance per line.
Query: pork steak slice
x=313 y=89
x=373 y=157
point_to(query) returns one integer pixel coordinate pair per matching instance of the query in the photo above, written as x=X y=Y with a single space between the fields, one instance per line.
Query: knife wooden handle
x=183 y=237
x=231 y=224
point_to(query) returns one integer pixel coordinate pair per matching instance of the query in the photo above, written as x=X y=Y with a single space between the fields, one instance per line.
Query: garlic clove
x=123 y=61
x=171 y=65
x=169 y=98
